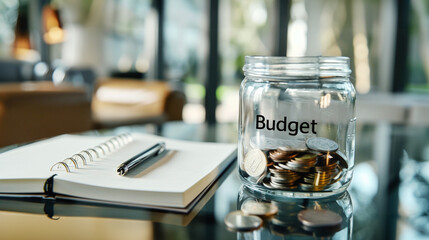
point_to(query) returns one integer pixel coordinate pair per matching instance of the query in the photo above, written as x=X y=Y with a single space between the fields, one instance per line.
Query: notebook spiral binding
x=81 y=159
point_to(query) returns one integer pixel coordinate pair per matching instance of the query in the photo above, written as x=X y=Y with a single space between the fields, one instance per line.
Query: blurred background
x=198 y=47
x=76 y=65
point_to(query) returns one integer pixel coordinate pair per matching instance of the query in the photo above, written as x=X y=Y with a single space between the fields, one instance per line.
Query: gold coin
x=262 y=209
x=255 y=163
x=306 y=157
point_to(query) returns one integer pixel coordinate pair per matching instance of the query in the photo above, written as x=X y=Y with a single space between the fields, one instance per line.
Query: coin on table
x=255 y=162
x=261 y=209
x=319 y=218
x=321 y=144
x=237 y=221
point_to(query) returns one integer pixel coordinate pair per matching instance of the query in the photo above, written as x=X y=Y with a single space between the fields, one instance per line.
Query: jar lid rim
x=294 y=58
x=309 y=66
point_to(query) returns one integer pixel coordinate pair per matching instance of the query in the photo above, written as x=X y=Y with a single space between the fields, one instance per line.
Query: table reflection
x=324 y=218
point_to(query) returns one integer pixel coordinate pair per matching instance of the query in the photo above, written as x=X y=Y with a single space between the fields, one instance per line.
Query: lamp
x=22 y=48
x=53 y=31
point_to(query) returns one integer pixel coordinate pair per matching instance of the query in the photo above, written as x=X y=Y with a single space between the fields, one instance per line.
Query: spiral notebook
x=59 y=207
x=84 y=168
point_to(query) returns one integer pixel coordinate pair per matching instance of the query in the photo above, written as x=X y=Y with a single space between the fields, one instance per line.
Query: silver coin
x=262 y=209
x=264 y=143
x=255 y=163
x=267 y=185
x=271 y=186
x=267 y=143
x=321 y=144
x=261 y=178
x=293 y=168
x=294 y=145
x=280 y=180
x=319 y=218
x=284 y=186
x=237 y=221
x=306 y=187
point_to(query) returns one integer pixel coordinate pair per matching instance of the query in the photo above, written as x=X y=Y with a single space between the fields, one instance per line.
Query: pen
x=140 y=158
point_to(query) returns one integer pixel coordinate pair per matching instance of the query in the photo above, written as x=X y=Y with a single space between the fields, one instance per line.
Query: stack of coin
x=281 y=155
x=301 y=163
x=313 y=166
x=281 y=178
x=322 y=175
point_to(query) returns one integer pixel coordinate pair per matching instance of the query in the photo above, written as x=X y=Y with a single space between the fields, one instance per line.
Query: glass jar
x=297 y=125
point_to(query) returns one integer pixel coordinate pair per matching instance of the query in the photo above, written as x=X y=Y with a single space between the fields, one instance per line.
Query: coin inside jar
x=262 y=209
x=237 y=221
x=321 y=144
x=312 y=165
x=255 y=163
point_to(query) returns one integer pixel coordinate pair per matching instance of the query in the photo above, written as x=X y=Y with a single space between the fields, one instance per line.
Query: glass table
x=388 y=197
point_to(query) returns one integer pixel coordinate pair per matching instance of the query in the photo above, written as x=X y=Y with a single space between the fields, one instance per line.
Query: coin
x=267 y=184
x=306 y=187
x=280 y=179
x=342 y=163
x=290 y=185
x=261 y=178
x=321 y=144
x=314 y=165
x=319 y=218
x=255 y=163
x=306 y=157
x=261 y=209
x=296 y=145
x=237 y=221
x=270 y=185
x=291 y=167
x=280 y=156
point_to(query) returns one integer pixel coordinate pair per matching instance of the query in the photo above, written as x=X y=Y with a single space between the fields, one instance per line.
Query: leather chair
x=119 y=102
x=35 y=110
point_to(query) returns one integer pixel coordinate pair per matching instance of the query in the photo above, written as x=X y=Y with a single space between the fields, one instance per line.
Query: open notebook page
x=174 y=180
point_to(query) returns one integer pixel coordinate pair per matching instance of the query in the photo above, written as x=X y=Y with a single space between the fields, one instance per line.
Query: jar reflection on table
x=286 y=223
x=297 y=125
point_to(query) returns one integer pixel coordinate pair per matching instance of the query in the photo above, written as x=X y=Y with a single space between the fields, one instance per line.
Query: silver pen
x=140 y=158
